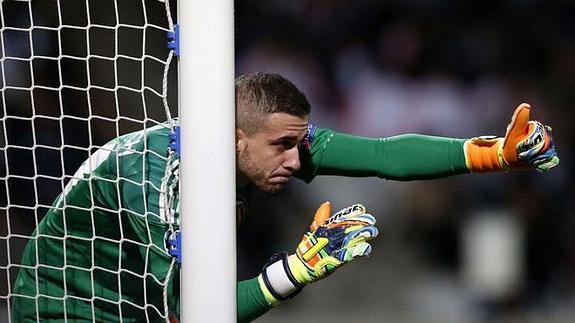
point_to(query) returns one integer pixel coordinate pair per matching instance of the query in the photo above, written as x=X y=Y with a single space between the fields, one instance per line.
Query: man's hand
x=527 y=144
x=331 y=242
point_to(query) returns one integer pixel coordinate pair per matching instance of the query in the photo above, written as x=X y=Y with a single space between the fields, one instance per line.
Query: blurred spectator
x=444 y=68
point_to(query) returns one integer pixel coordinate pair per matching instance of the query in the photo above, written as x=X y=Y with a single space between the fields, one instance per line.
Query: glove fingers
x=362 y=220
x=359 y=233
x=365 y=218
x=355 y=243
x=346 y=213
x=361 y=249
x=547 y=163
x=536 y=141
x=538 y=150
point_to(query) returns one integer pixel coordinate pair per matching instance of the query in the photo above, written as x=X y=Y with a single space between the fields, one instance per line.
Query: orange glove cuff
x=484 y=155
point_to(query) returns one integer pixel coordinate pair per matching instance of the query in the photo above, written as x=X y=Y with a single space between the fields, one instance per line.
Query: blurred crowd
x=470 y=248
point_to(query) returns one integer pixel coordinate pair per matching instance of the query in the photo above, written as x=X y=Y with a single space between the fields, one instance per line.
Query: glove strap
x=278 y=278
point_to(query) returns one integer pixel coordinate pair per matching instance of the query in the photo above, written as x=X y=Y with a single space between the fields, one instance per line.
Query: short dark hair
x=259 y=94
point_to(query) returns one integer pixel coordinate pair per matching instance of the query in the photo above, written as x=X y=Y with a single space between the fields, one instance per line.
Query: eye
x=285 y=145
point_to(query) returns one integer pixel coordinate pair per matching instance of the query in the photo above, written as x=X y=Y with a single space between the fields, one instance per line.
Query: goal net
x=87 y=192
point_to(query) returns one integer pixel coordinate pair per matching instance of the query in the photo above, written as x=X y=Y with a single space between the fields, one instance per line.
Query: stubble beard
x=256 y=175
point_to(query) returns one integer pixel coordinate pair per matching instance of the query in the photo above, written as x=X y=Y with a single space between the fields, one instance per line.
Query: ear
x=241 y=140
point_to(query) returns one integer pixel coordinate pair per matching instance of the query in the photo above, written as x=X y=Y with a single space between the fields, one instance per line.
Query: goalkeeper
x=112 y=220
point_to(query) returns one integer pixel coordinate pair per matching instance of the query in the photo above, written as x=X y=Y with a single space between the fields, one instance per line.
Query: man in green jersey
x=100 y=254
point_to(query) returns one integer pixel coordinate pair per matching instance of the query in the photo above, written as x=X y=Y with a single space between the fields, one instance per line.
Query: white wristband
x=279 y=279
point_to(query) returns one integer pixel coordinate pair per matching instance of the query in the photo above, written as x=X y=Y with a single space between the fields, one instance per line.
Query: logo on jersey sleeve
x=309 y=137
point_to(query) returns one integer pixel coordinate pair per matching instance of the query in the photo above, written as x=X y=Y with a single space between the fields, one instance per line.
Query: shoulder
x=155 y=139
x=317 y=138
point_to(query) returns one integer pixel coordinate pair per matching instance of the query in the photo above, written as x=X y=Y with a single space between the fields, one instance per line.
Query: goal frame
x=207 y=182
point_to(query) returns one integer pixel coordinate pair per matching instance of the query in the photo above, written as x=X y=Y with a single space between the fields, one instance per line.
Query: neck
x=241 y=180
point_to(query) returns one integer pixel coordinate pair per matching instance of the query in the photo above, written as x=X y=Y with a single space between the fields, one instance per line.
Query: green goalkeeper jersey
x=100 y=252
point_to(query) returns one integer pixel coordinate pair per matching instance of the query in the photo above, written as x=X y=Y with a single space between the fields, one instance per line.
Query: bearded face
x=269 y=157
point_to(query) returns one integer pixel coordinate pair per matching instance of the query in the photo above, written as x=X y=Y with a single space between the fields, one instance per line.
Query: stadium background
x=376 y=68
x=448 y=68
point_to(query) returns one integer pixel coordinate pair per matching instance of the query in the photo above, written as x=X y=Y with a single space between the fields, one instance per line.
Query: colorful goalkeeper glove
x=527 y=144
x=331 y=242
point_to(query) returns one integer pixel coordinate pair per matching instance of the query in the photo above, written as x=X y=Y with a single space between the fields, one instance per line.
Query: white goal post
x=208 y=132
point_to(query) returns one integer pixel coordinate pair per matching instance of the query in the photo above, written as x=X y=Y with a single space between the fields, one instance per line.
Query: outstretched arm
x=405 y=157
x=527 y=144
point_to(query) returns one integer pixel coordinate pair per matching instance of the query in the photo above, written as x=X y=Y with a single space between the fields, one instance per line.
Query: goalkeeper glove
x=527 y=144
x=331 y=242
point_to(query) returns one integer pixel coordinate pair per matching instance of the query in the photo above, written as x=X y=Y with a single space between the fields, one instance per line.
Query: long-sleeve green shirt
x=100 y=252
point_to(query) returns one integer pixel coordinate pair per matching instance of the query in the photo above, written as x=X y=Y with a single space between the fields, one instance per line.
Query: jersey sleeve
x=404 y=157
x=251 y=302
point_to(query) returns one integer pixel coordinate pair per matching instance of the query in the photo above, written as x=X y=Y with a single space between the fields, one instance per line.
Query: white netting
x=76 y=74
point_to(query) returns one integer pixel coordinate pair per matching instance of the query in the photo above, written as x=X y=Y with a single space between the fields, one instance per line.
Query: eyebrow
x=292 y=134
x=286 y=137
x=294 y=137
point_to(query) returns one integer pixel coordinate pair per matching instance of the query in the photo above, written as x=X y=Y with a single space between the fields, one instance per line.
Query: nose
x=291 y=161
